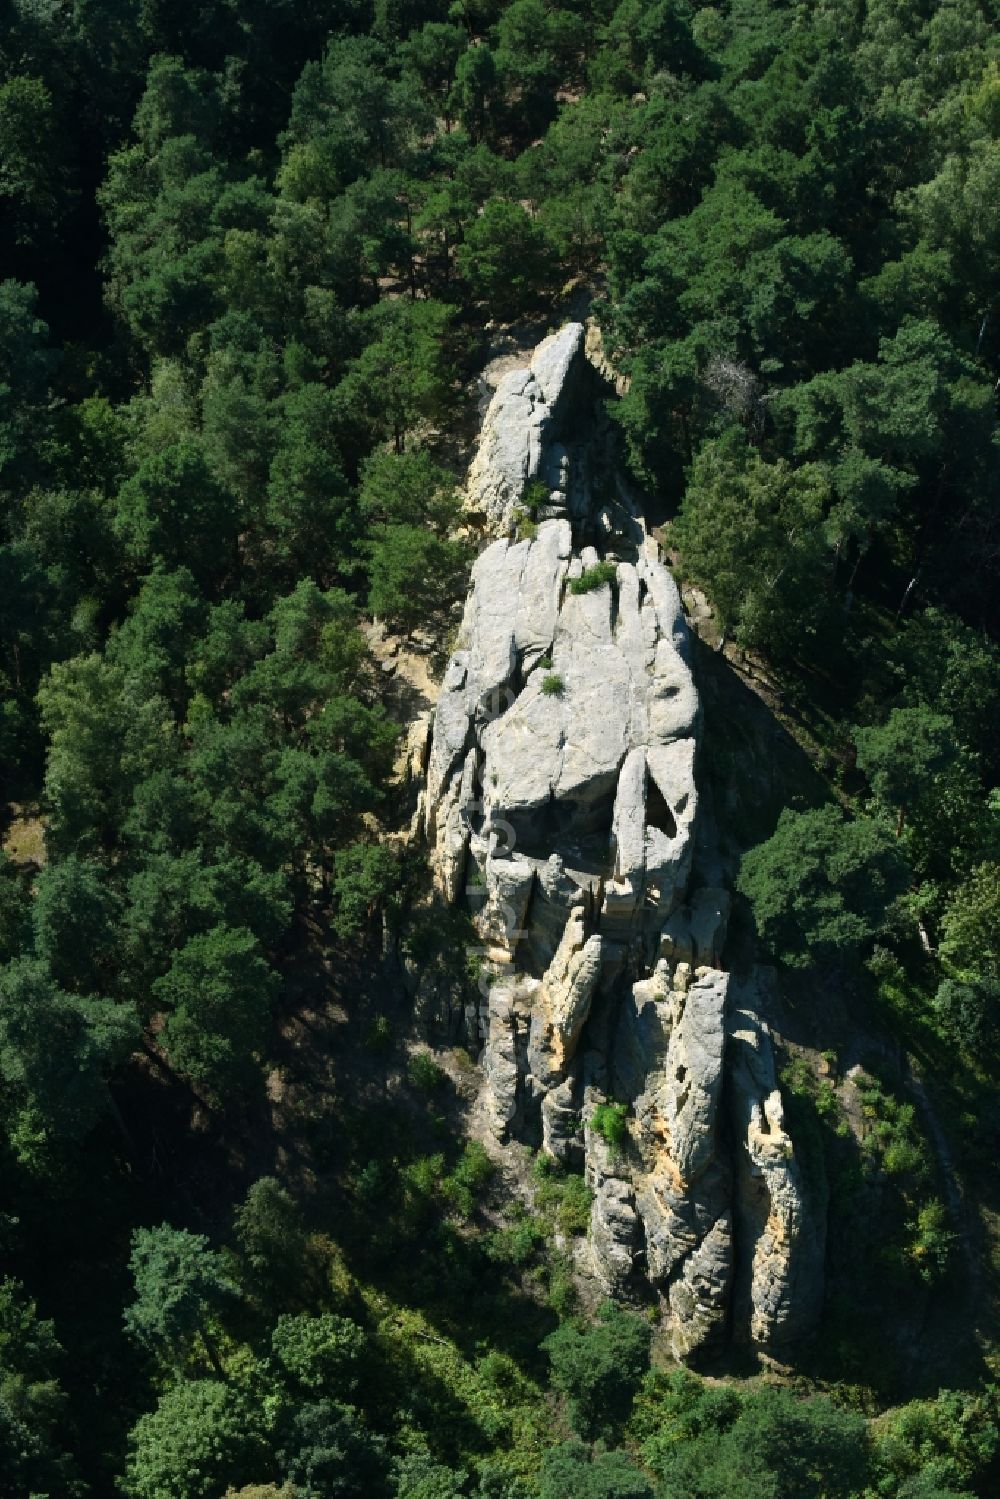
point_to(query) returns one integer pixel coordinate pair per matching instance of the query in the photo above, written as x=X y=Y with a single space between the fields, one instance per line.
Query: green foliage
x=173 y=511
x=33 y=1405
x=217 y=993
x=506 y=260
x=610 y=1121
x=15 y=910
x=424 y=1073
x=409 y=363
x=932 y=1241
x=200 y=1437
x=378 y=1037
x=937 y=1446
x=28 y=364
x=33 y=169
x=968 y=1011
x=562 y=1196
x=470 y=1177
x=595 y=577
x=180 y=1287
x=765 y=1442
x=894 y=1149
x=329 y=1450
x=420 y=1477
x=365 y=876
x=822 y=887
x=553 y=685
x=413 y=574
x=74 y=917
x=318 y=1353
x=57 y=1052
x=751 y=533
x=599 y=1368
x=571 y=1468
x=516 y=1243
x=970 y=926
x=408 y=489
x=246 y=267
x=535 y=498
x=904 y=757
x=271 y=1237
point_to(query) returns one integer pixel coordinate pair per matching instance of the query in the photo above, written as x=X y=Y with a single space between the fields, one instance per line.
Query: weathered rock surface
x=522 y=426
x=562 y=804
x=780 y=1286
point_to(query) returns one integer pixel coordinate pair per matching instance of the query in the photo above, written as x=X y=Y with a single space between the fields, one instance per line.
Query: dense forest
x=252 y=257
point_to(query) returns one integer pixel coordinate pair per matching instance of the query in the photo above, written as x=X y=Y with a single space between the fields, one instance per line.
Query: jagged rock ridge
x=561 y=801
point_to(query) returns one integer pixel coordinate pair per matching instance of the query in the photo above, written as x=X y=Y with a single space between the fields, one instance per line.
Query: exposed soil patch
x=24 y=842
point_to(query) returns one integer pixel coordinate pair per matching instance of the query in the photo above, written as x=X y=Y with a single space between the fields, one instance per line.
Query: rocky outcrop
x=780 y=1287
x=562 y=805
x=522 y=428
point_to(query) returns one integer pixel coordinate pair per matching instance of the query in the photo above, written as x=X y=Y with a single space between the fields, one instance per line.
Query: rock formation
x=561 y=802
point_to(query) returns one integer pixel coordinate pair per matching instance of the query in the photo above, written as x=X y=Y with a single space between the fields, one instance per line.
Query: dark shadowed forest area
x=254 y=257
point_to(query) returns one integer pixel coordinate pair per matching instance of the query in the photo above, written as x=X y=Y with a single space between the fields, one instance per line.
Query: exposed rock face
x=561 y=802
x=519 y=437
x=780 y=1287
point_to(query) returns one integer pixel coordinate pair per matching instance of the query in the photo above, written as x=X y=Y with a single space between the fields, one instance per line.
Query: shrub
x=413 y=574
x=553 y=685
x=716 y=1441
x=821 y=887
x=370 y=1183
x=893 y=1141
x=608 y=1120
x=516 y=1243
x=470 y=1176
x=571 y=1468
x=967 y=1012
x=378 y=1037
x=317 y=1352
x=600 y=1369
x=573 y=1215
x=534 y=498
x=563 y=1198
x=562 y=1297
x=424 y=1073
x=595 y=577
x=931 y=1242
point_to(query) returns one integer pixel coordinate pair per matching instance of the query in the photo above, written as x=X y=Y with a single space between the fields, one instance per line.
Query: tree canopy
x=255 y=261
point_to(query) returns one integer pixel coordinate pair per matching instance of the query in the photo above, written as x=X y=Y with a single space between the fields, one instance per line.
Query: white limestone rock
x=522 y=418
x=699 y=1295
x=561 y=1002
x=561 y=1131
x=566 y=812
x=499 y=1060
x=507 y=888
x=616 y=1235
x=780 y=1279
